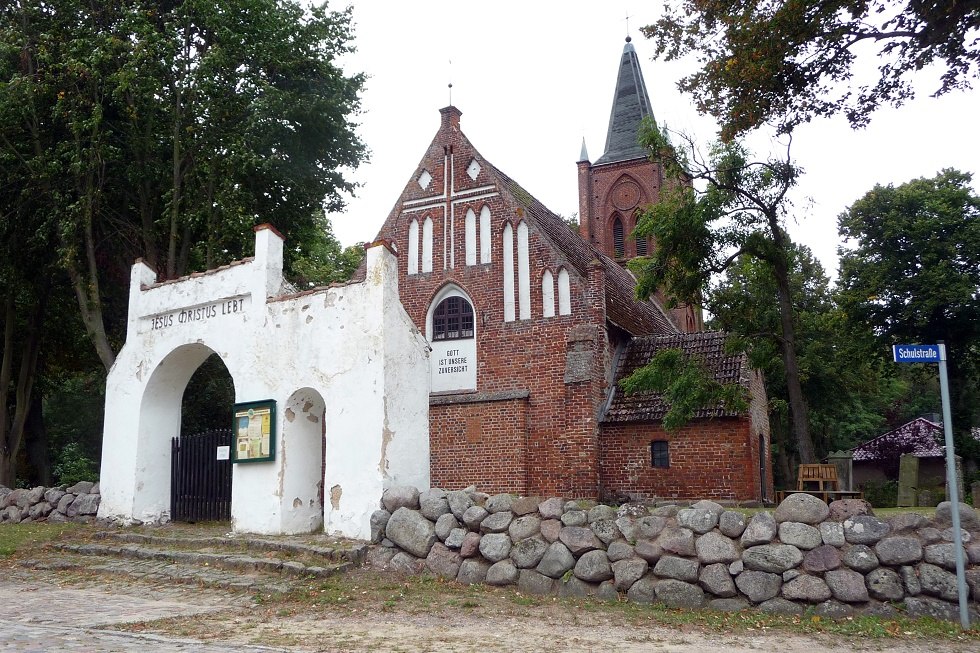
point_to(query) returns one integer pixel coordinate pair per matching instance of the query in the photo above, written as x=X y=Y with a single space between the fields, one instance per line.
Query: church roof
x=622 y=308
x=707 y=347
x=630 y=105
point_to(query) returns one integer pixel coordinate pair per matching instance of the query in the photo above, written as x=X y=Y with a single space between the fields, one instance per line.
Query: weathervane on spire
x=628 y=39
x=450 y=82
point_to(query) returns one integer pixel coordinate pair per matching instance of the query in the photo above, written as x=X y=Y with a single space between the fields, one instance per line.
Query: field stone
x=473 y=571
x=575 y=588
x=667 y=510
x=821 y=559
x=760 y=530
x=832 y=533
x=677 y=568
x=810 y=589
x=648 y=550
x=455 y=538
x=65 y=502
x=678 y=594
x=943 y=555
x=471 y=545
x=938 y=582
x=474 y=516
x=593 y=567
x=12 y=514
x=575 y=518
x=579 y=539
x=620 y=550
x=677 y=540
x=728 y=605
x=773 y=558
x=861 y=558
x=758 y=586
x=395 y=497
x=628 y=527
x=846 y=585
x=602 y=512
x=643 y=590
x=551 y=529
x=843 y=509
x=607 y=592
x=949 y=536
x=910 y=580
x=714 y=547
x=650 y=527
x=973 y=553
x=557 y=560
x=881 y=610
x=84 y=504
x=85 y=487
x=551 y=508
x=632 y=510
x=499 y=503
x=524 y=505
x=433 y=504
x=606 y=530
x=443 y=562
x=907 y=521
x=459 y=502
x=527 y=553
x=53 y=495
x=833 y=610
x=502 y=572
x=532 y=582
x=524 y=527
x=379 y=519
x=497 y=522
x=495 y=546
x=925 y=607
x=716 y=580
x=803 y=508
x=699 y=521
x=626 y=572
x=54 y=518
x=790 y=574
x=865 y=529
x=41 y=510
x=445 y=524
x=706 y=504
x=969 y=518
x=731 y=523
x=779 y=605
x=884 y=585
x=411 y=532
x=929 y=535
x=899 y=550
x=802 y=536
x=406 y=563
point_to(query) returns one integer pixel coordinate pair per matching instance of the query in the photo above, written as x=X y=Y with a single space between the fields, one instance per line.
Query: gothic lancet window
x=619 y=245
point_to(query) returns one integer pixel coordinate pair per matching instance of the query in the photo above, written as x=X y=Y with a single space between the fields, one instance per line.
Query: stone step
x=234 y=561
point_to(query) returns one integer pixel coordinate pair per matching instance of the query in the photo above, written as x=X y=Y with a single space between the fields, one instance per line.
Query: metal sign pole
x=954 y=496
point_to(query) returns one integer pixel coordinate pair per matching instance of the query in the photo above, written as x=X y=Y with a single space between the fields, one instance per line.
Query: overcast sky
x=533 y=78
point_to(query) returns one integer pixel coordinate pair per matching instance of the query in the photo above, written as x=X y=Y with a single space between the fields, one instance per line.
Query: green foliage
x=318 y=259
x=686 y=385
x=765 y=61
x=209 y=398
x=910 y=269
x=74 y=465
x=881 y=494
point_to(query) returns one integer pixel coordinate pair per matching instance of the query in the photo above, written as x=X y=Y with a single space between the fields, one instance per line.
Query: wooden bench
x=824 y=476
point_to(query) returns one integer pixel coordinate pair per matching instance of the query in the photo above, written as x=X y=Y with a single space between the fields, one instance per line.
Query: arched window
x=660 y=453
x=642 y=242
x=619 y=247
x=427 y=245
x=508 y=245
x=470 y=237
x=485 y=243
x=523 y=272
x=564 y=293
x=547 y=294
x=452 y=319
x=413 y=247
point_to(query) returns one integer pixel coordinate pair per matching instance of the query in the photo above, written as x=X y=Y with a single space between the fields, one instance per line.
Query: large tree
x=910 y=268
x=731 y=206
x=771 y=61
x=166 y=130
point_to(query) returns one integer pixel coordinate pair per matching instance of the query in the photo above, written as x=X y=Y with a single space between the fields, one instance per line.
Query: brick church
x=533 y=323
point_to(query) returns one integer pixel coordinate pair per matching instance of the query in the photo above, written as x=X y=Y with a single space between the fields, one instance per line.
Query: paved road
x=37 y=617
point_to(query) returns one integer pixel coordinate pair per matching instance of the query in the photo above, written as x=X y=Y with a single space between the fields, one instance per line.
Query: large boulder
x=626 y=572
x=802 y=536
x=714 y=547
x=731 y=523
x=620 y=550
x=803 y=508
x=649 y=527
x=606 y=530
x=459 y=502
x=846 y=585
x=443 y=562
x=844 y=509
x=938 y=582
x=524 y=505
x=821 y=559
x=379 y=519
x=411 y=532
x=698 y=520
x=433 y=504
x=83 y=505
x=772 y=558
x=716 y=580
x=677 y=540
x=497 y=522
x=524 y=527
x=552 y=508
x=502 y=572
x=495 y=546
x=861 y=558
x=527 y=553
x=969 y=518
x=677 y=568
x=474 y=516
x=593 y=567
x=900 y=550
x=500 y=503
x=532 y=582
x=643 y=590
x=473 y=571
x=865 y=529
x=806 y=588
x=760 y=530
x=758 y=586
x=395 y=497
x=943 y=555
x=579 y=539
x=678 y=594
x=884 y=585
x=556 y=561
x=445 y=524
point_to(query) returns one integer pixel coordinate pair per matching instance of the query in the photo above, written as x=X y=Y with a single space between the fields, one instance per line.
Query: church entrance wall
x=344 y=366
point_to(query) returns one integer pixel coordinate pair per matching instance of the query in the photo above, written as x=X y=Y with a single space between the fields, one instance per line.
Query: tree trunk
x=36 y=437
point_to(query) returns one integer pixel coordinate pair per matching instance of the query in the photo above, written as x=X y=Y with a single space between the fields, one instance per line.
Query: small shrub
x=74 y=466
x=881 y=494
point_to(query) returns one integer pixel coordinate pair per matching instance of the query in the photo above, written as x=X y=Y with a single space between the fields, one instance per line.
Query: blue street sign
x=917 y=353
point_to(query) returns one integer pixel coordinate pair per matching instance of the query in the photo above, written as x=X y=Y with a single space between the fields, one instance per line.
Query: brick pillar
x=585 y=200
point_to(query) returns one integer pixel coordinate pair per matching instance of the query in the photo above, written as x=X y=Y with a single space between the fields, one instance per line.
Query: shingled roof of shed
x=707 y=347
x=920 y=437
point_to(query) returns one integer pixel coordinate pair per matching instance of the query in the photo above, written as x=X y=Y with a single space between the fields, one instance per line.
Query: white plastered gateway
x=345 y=365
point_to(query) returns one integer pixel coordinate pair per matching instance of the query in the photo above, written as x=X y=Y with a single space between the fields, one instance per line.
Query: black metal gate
x=200 y=484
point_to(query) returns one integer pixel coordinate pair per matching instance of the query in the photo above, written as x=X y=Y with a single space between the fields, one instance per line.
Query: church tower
x=613 y=190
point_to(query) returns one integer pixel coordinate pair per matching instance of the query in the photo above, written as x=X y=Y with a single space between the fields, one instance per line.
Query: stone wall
x=80 y=502
x=834 y=560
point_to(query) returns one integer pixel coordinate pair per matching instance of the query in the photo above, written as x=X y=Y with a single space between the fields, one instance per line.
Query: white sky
x=533 y=78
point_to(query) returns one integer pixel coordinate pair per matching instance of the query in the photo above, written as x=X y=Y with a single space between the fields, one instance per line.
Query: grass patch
x=18 y=538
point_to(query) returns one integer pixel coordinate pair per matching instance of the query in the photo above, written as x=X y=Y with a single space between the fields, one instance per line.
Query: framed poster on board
x=254 y=431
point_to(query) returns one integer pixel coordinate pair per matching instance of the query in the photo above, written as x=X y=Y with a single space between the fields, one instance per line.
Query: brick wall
x=709 y=459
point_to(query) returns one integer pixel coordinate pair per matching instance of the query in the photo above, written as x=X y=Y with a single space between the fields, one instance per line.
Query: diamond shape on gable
x=473 y=169
x=425 y=179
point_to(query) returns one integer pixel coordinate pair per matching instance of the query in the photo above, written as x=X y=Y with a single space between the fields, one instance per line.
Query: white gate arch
x=351 y=350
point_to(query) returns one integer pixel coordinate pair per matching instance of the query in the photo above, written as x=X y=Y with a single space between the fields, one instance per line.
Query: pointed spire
x=630 y=105
x=584 y=156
